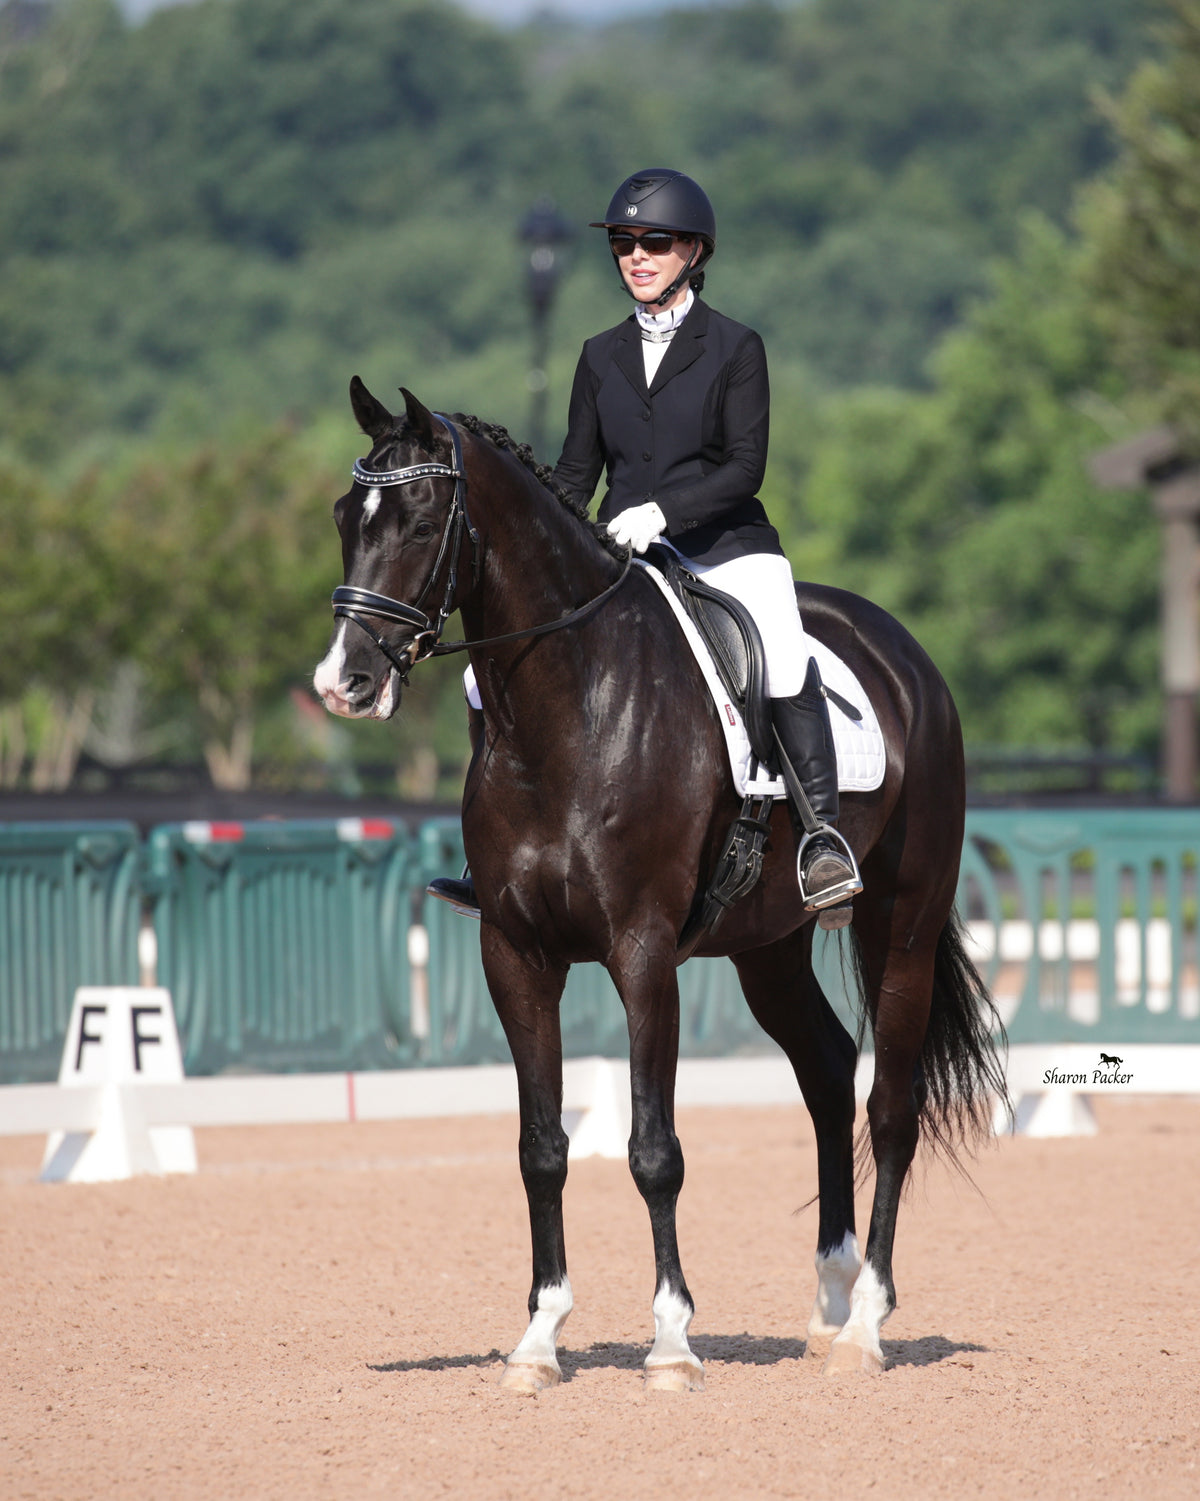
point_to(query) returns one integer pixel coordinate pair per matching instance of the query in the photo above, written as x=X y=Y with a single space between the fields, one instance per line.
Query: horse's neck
x=539 y=562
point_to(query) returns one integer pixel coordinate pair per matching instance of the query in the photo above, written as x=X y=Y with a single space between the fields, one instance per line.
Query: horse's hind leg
x=898 y=942
x=789 y=1005
x=527 y=999
x=647 y=981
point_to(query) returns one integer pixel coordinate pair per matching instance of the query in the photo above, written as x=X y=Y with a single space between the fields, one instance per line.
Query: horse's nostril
x=358 y=687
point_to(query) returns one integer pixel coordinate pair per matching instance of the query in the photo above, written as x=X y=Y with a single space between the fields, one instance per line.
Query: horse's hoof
x=848 y=1359
x=679 y=1376
x=817 y=1347
x=527 y=1378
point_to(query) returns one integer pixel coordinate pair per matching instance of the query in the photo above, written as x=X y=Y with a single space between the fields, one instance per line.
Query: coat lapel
x=628 y=355
x=684 y=349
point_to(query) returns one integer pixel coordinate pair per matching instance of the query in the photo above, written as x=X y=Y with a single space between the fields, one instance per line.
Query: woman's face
x=648 y=275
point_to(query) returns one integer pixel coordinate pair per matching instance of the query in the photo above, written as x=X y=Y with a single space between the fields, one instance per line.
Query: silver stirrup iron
x=834 y=894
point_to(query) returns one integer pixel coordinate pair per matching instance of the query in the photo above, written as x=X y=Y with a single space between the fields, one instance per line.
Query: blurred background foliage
x=967 y=230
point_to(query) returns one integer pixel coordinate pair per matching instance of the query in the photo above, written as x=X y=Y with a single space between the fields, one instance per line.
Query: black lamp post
x=546 y=233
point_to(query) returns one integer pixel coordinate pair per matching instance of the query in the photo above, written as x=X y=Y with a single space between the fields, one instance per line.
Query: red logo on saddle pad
x=731 y=714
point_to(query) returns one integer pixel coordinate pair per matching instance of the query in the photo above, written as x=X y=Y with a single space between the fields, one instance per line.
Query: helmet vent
x=640 y=187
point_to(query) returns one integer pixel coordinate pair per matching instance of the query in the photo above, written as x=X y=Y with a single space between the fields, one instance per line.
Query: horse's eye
x=423 y=530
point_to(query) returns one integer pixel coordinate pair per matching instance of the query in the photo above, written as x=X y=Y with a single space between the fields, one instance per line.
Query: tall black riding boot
x=461 y=893
x=826 y=869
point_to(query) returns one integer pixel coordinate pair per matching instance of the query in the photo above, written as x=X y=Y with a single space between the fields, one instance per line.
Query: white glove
x=638 y=526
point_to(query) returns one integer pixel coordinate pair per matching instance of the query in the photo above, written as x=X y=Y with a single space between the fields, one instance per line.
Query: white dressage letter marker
x=598 y=1125
x=118 y=1038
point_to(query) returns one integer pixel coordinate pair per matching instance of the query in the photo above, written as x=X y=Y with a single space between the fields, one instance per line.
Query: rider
x=673 y=405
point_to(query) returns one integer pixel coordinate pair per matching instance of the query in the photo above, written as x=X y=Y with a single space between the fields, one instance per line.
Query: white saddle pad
x=860 y=753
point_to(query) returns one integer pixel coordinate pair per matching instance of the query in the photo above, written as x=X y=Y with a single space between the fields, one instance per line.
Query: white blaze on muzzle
x=331 y=669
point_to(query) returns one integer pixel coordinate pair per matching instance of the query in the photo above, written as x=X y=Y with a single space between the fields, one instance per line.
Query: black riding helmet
x=660 y=198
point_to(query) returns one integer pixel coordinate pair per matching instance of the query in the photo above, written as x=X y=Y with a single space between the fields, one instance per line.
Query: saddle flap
x=734 y=643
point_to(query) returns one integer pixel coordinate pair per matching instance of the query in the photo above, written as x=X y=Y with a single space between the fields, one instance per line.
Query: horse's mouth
x=386 y=700
x=387 y=695
x=382 y=704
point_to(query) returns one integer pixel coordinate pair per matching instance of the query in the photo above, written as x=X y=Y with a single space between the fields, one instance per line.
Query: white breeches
x=762 y=582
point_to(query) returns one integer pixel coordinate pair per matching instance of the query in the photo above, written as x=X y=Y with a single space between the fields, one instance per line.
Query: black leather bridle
x=352 y=603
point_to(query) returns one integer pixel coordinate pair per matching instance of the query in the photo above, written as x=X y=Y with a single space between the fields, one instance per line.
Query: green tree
x=969 y=513
x=66 y=619
x=231 y=555
x=1143 y=218
x=240 y=195
x=214 y=218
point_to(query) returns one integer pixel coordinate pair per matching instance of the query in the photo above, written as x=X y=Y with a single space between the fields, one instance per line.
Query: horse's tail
x=961 y=1056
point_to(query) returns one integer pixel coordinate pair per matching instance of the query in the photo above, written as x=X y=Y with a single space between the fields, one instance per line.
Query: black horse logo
x=1105 y=1059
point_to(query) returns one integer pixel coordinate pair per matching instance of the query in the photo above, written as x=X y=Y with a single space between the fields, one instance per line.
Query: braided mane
x=501 y=438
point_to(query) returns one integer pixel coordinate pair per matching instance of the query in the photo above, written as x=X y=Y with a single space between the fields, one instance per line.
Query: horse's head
x=403 y=527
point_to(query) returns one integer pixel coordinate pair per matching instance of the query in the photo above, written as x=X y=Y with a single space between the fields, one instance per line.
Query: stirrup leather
x=835 y=894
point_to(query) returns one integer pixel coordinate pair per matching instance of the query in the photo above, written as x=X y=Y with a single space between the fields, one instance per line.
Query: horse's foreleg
x=900 y=973
x=649 y=987
x=790 y=1006
x=527 y=1000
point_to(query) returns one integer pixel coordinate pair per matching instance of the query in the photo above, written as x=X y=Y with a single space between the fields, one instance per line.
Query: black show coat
x=695 y=441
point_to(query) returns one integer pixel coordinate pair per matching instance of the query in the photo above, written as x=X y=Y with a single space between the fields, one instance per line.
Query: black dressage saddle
x=729 y=631
x=732 y=638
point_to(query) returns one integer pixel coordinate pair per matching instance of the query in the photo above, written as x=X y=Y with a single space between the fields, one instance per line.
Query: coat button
x=646 y=456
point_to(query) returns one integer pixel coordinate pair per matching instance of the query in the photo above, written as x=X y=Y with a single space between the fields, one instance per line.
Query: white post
x=598 y=1125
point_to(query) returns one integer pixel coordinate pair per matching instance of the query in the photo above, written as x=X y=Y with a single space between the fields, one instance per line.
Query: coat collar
x=684 y=349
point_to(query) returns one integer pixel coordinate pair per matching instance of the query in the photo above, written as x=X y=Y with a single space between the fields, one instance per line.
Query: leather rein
x=352 y=603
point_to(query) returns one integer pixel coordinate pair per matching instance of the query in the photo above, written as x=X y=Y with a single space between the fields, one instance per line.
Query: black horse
x=595 y=809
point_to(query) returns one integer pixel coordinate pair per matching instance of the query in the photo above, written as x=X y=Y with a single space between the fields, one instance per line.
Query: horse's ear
x=373 y=417
x=420 y=419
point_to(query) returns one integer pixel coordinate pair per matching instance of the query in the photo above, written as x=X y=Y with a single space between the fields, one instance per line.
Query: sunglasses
x=653 y=241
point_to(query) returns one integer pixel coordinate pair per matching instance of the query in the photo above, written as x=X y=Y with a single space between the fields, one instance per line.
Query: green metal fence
x=714 y=1018
x=283 y=944
x=68 y=917
x=1086 y=923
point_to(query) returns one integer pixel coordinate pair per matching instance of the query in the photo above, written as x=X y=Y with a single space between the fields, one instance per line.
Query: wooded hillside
x=208 y=222
x=249 y=197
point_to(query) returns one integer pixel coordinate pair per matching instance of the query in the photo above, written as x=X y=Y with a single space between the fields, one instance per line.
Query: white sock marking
x=869 y=1310
x=836 y=1274
x=539 y=1343
x=672 y=1317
